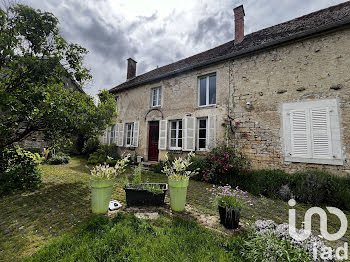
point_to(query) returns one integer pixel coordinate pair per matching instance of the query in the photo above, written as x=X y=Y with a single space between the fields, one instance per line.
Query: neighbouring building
x=281 y=95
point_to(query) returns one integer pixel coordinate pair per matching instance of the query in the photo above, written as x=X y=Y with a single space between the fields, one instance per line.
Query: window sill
x=130 y=148
x=207 y=106
x=156 y=107
x=175 y=151
x=335 y=161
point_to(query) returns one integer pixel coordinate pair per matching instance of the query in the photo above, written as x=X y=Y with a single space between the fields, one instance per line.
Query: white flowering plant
x=177 y=170
x=106 y=172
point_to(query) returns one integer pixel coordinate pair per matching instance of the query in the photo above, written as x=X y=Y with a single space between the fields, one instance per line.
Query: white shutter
x=321 y=133
x=105 y=136
x=300 y=133
x=162 y=134
x=211 y=132
x=135 y=140
x=116 y=133
x=121 y=134
x=189 y=131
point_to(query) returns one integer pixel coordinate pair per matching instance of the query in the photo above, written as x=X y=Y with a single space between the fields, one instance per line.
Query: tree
x=34 y=60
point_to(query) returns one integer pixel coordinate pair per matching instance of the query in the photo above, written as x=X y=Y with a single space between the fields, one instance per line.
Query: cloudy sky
x=159 y=32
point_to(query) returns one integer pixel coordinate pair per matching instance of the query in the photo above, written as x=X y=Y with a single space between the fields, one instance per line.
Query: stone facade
x=310 y=69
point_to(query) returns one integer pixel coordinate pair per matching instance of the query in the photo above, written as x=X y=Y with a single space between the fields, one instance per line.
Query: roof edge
x=301 y=35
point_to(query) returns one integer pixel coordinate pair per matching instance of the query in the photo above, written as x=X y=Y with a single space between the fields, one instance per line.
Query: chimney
x=131 y=73
x=239 y=23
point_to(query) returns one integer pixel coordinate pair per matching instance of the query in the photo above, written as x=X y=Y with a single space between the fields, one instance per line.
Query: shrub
x=34 y=150
x=313 y=187
x=223 y=164
x=90 y=146
x=105 y=154
x=58 y=159
x=18 y=169
x=158 y=168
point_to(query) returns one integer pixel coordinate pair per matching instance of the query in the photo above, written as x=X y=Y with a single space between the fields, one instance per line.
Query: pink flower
x=245 y=134
x=213 y=157
x=237 y=123
x=206 y=179
x=248 y=170
x=231 y=166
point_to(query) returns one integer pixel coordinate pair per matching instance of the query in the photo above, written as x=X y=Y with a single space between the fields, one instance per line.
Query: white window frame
x=156 y=99
x=336 y=156
x=206 y=90
x=206 y=133
x=131 y=126
x=177 y=121
x=112 y=135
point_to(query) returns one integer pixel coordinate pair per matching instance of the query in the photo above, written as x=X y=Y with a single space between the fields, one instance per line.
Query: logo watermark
x=326 y=252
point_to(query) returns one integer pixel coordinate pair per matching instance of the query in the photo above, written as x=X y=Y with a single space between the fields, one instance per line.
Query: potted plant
x=143 y=194
x=229 y=202
x=178 y=177
x=102 y=181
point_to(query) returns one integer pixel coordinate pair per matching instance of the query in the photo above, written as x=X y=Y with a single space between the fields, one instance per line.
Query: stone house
x=281 y=95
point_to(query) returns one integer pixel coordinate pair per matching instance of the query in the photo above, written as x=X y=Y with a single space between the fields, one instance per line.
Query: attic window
x=156 y=97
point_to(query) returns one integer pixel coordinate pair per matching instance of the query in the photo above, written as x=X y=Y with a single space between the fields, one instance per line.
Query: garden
x=50 y=216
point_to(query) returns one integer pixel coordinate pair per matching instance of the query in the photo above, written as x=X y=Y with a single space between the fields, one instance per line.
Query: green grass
x=126 y=238
x=30 y=220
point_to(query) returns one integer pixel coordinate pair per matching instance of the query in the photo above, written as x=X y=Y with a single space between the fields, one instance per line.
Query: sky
x=158 y=32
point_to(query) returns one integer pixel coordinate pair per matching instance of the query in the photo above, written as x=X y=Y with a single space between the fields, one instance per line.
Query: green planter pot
x=178 y=192
x=101 y=192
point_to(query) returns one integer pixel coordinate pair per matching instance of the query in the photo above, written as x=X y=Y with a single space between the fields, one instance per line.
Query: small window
x=129 y=133
x=175 y=135
x=111 y=135
x=116 y=102
x=202 y=133
x=207 y=90
x=156 y=97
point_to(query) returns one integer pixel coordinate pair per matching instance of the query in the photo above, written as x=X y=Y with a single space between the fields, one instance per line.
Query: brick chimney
x=239 y=23
x=131 y=73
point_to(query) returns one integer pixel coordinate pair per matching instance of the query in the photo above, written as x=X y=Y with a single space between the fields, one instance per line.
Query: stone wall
x=316 y=68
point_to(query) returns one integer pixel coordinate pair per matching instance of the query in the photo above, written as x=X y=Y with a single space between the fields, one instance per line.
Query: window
x=116 y=102
x=175 y=135
x=156 y=97
x=104 y=137
x=311 y=132
x=129 y=134
x=111 y=135
x=202 y=133
x=207 y=90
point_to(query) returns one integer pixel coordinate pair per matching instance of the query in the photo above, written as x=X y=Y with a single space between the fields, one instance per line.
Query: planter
x=142 y=197
x=229 y=217
x=178 y=192
x=101 y=192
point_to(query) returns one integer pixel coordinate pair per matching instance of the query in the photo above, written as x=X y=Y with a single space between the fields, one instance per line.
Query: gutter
x=255 y=49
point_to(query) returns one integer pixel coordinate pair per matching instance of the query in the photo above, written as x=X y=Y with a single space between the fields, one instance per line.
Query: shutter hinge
x=288 y=114
x=330 y=110
x=334 y=156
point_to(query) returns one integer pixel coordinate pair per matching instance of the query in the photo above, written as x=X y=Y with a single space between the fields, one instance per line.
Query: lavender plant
x=227 y=197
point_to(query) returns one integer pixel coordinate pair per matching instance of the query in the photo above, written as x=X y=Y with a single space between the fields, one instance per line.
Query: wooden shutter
x=300 y=133
x=320 y=133
x=211 y=132
x=135 y=140
x=121 y=134
x=163 y=129
x=116 y=133
x=189 y=131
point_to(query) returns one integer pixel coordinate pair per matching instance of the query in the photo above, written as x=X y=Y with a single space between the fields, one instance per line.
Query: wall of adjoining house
x=317 y=68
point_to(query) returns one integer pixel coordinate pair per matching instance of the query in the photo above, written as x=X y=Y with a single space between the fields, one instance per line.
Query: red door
x=153 y=141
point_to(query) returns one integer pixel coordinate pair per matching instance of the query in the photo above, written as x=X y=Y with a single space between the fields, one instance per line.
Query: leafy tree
x=34 y=61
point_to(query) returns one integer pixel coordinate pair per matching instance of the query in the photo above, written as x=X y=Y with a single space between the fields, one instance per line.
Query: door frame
x=149 y=139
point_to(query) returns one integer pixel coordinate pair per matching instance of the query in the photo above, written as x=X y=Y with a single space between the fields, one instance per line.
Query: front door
x=153 y=141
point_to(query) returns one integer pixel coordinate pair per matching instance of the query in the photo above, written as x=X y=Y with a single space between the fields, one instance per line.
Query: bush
x=19 y=170
x=90 y=146
x=223 y=164
x=105 y=154
x=313 y=187
x=58 y=159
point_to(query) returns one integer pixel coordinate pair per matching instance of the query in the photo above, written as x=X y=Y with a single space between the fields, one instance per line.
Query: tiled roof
x=313 y=23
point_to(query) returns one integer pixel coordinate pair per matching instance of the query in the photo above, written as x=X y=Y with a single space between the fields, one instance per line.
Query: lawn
x=61 y=207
